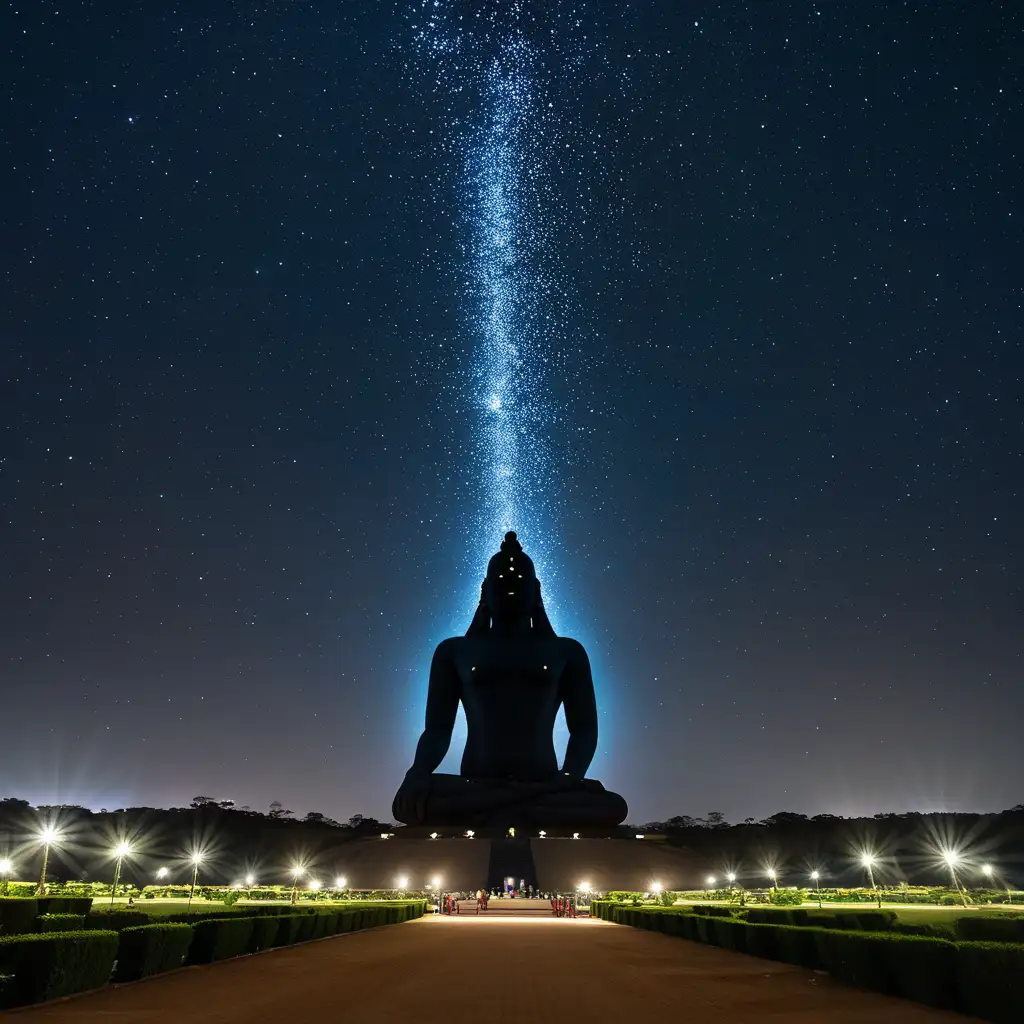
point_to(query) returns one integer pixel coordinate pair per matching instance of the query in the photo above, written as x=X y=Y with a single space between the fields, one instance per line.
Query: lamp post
x=48 y=836
x=986 y=870
x=775 y=879
x=868 y=860
x=952 y=858
x=340 y=882
x=710 y=881
x=6 y=870
x=731 y=877
x=120 y=852
x=161 y=874
x=403 y=883
x=197 y=859
x=655 y=889
x=297 y=872
x=816 y=878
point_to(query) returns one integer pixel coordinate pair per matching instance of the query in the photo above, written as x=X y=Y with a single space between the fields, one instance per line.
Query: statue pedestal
x=549 y=864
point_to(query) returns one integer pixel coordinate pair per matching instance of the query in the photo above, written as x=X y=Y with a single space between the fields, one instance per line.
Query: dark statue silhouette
x=512 y=673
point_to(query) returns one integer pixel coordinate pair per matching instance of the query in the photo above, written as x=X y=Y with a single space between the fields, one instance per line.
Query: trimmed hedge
x=151 y=949
x=990 y=929
x=220 y=939
x=64 y=904
x=36 y=968
x=60 y=923
x=17 y=916
x=115 y=920
x=976 y=978
x=264 y=933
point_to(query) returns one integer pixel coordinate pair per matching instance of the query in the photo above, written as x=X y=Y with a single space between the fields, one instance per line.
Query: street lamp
x=868 y=860
x=952 y=858
x=196 y=859
x=403 y=883
x=815 y=877
x=340 y=882
x=655 y=888
x=48 y=836
x=731 y=878
x=774 y=877
x=162 y=873
x=710 y=882
x=6 y=870
x=297 y=872
x=121 y=851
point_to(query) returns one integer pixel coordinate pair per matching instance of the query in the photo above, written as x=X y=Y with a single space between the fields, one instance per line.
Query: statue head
x=511 y=590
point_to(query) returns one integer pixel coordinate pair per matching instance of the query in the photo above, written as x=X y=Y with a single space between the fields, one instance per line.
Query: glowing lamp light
x=575 y=835
x=298 y=871
x=815 y=875
x=731 y=877
x=435 y=883
x=584 y=887
x=433 y=835
x=771 y=872
x=403 y=882
x=542 y=833
x=122 y=850
x=384 y=835
x=711 y=881
x=6 y=867
x=196 y=859
x=315 y=885
x=986 y=869
x=250 y=881
x=49 y=835
x=951 y=857
x=162 y=873
x=655 y=887
x=638 y=836
x=470 y=833
x=340 y=882
x=868 y=860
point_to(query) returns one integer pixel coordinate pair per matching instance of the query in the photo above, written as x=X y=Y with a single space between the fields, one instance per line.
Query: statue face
x=510 y=589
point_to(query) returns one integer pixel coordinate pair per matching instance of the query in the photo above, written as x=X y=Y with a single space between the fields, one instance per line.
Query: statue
x=512 y=673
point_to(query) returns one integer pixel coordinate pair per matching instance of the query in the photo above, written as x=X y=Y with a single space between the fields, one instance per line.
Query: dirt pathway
x=496 y=970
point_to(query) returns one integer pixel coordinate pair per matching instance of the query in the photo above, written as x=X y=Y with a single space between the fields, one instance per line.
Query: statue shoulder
x=573 y=650
x=446 y=650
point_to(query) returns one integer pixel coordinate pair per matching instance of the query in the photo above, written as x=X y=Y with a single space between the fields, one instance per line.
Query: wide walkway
x=491 y=969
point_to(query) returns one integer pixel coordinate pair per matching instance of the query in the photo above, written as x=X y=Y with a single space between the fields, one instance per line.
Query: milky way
x=499 y=66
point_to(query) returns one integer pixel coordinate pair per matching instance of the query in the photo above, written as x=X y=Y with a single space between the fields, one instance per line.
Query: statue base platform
x=550 y=864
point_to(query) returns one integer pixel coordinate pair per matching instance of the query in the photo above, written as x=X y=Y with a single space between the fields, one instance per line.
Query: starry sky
x=717 y=304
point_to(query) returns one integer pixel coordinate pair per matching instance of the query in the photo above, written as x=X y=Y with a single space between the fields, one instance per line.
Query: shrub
x=987 y=976
x=923 y=969
x=779 y=915
x=787 y=897
x=17 y=916
x=219 y=939
x=264 y=933
x=856 y=958
x=990 y=929
x=151 y=949
x=60 y=923
x=762 y=940
x=288 y=929
x=65 y=904
x=796 y=944
x=37 y=968
x=872 y=920
x=729 y=934
x=115 y=920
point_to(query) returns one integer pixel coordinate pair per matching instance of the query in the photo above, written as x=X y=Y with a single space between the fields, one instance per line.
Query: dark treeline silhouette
x=909 y=847
x=236 y=841
x=233 y=841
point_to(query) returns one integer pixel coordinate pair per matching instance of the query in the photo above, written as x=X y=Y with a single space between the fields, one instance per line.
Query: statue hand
x=411 y=798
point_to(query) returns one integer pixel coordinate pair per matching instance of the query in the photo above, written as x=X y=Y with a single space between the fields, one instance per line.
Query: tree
x=278 y=810
x=679 y=821
x=203 y=801
x=716 y=819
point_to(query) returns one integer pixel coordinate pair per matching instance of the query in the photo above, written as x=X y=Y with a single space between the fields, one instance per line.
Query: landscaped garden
x=958 y=959
x=58 y=945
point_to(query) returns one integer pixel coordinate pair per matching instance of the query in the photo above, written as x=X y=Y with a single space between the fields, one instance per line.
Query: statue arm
x=443 y=694
x=580 y=712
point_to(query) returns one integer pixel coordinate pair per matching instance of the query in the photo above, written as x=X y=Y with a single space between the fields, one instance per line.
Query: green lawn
x=199 y=906
x=913 y=914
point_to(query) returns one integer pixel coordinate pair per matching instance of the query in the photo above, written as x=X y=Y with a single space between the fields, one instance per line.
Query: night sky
x=718 y=305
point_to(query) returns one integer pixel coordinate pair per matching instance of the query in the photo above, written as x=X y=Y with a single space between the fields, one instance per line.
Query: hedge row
x=17 y=914
x=42 y=966
x=975 y=978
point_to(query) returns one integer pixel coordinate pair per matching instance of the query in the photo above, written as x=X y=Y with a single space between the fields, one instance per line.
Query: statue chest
x=502 y=679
